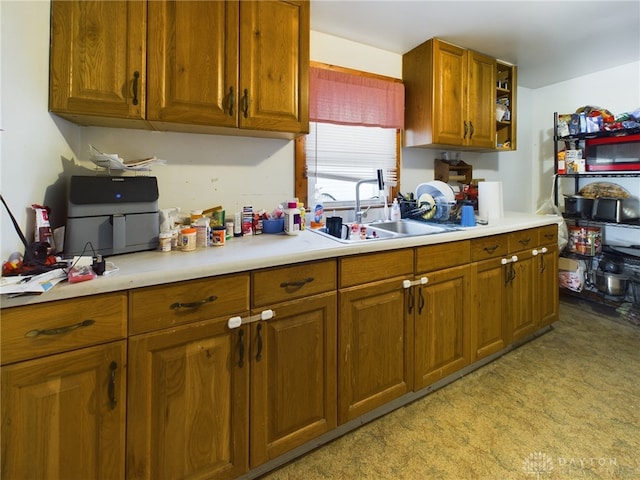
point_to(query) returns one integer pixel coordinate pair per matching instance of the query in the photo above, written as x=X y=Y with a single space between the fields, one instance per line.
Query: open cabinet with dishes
x=597 y=189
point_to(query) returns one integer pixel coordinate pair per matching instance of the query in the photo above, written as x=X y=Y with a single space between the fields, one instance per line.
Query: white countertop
x=144 y=269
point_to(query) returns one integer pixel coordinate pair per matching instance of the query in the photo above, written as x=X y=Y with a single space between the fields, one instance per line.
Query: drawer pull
x=177 y=305
x=112 y=385
x=298 y=284
x=60 y=330
x=491 y=249
x=524 y=241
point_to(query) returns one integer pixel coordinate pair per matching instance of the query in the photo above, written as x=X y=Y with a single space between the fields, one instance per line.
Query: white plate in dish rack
x=440 y=191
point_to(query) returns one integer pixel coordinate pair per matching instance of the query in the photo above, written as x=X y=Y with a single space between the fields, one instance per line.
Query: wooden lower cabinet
x=293 y=376
x=374 y=345
x=63 y=415
x=188 y=404
x=488 y=329
x=442 y=325
x=521 y=296
x=547 y=272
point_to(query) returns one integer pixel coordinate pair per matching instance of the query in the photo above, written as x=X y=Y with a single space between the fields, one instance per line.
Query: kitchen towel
x=490 y=206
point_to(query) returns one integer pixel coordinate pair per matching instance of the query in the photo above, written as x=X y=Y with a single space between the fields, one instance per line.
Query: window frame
x=301 y=177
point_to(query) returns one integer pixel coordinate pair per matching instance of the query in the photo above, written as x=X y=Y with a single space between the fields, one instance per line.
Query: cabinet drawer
x=549 y=234
x=154 y=308
x=372 y=267
x=523 y=239
x=36 y=330
x=273 y=285
x=444 y=255
x=488 y=247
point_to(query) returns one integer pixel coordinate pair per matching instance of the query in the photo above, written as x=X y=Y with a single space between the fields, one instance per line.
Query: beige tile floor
x=564 y=406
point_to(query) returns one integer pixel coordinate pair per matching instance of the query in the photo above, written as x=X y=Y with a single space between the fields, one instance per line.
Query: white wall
x=39 y=150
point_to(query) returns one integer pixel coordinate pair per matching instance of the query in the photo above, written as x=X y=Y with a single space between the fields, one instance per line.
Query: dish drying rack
x=445 y=212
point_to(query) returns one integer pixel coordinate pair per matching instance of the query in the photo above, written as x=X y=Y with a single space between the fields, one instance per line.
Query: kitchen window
x=355 y=125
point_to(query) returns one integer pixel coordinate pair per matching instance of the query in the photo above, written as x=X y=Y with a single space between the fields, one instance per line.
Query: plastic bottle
x=318 y=219
x=303 y=212
x=292 y=218
x=396 y=215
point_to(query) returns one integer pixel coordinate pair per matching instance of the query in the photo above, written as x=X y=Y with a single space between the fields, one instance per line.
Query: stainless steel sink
x=409 y=227
x=389 y=230
x=372 y=234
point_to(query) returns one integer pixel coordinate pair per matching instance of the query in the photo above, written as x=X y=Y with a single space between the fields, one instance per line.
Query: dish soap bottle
x=396 y=215
x=318 y=219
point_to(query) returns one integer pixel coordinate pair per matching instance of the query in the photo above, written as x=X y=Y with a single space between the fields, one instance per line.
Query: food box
x=571 y=274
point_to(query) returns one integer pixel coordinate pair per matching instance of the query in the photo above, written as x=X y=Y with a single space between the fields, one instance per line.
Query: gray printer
x=111 y=215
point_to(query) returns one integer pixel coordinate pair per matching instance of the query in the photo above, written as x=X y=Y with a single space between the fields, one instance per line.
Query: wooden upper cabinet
x=98 y=61
x=481 y=100
x=193 y=62
x=450 y=97
x=227 y=67
x=274 y=65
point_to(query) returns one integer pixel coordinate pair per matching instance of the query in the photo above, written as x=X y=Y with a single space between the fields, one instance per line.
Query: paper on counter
x=35 y=284
x=112 y=161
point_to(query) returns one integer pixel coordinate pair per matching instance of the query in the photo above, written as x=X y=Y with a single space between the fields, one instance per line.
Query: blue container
x=273 y=226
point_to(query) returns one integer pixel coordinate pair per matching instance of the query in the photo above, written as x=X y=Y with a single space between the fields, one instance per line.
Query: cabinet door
x=274 y=65
x=547 y=287
x=521 y=296
x=293 y=376
x=63 y=416
x=449 y=93
x=489 y=322
x=442 y=323
x=374 y=338
x=481 y=101
x=188 y=404
x=193 y=62
x=98 y=52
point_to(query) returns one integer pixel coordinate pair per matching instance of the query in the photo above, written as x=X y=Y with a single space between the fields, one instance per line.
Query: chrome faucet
x=379 y=180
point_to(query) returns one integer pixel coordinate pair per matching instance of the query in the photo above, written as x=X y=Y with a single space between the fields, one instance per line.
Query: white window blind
x=340 y=155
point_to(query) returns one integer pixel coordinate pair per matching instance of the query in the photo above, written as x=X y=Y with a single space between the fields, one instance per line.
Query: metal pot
x=613 y=284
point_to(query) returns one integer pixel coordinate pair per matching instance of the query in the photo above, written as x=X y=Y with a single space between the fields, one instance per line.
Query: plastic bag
x=548 y=207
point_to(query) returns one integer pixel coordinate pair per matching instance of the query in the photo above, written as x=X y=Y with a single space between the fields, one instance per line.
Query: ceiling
x=549 y=41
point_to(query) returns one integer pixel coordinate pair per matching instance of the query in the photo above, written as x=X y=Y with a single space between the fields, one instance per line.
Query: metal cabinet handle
x=421 y=300
x=232 y=101
x=245 y=103
x=466 y=130
x=472 y=130
x=491 y=249
x=411 y=300
x=259 y=334
x=524 y=241
x=298 y=284
x=60 y=330
x=112 y=385
x=241 y=347
x=175 y=306
x=136 y=76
